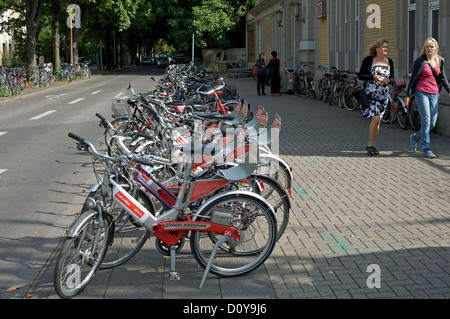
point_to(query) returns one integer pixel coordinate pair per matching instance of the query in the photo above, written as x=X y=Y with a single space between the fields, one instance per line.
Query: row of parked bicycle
x=340 y=87
x=13 y=80
x=188 y=161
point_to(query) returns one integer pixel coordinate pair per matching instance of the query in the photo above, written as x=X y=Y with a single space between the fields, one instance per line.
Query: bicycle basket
x=120 y=107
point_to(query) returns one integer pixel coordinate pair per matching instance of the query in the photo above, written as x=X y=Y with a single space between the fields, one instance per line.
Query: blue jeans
x=428 y=107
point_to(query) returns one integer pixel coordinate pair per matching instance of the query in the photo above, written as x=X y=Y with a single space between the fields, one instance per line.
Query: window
x=433 y=19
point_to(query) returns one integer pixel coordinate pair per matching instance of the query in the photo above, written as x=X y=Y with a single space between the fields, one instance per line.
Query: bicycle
x=338 y=86
x=42 y=75
x=325 y=84
x=304 y=84
x=231 y=234
x=396 y=108
x=348 y=96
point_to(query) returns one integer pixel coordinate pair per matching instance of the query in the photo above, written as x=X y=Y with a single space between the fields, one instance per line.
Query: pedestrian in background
x=261 y=67
x=377 y=71
x=274 y=73
x=428 y=77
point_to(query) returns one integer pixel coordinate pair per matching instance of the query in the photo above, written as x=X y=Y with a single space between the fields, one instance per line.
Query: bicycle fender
x=286 y=192
x=73 y=230
x=243 y=192
x=280 y=160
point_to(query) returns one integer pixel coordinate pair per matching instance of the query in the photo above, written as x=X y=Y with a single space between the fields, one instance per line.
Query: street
x=41 y=176
x=360 y=227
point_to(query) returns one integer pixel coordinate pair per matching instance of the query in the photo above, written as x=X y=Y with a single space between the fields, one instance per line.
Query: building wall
x=6 y=42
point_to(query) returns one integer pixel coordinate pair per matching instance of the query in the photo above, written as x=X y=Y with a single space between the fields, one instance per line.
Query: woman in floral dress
x=377 y=71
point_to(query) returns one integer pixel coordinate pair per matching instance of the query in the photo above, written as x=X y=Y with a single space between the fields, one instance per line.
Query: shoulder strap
x=432 y=70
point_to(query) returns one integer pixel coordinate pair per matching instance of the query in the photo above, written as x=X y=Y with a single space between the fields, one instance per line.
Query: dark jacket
x=274 y=67
x=259 y=64
x=365 y=73
x=418 y=67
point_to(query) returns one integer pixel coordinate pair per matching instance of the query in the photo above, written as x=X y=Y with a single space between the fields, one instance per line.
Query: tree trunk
x=33 y=14
x=56 y=8
x=75 y=38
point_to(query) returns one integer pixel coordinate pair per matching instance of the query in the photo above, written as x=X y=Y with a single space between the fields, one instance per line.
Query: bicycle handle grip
x=101 y=117
x=76 y=137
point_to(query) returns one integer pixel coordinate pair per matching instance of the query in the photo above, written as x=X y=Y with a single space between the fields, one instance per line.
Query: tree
x=33 y=12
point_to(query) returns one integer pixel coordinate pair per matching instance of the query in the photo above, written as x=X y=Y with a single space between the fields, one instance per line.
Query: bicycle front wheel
x=129 y=237
x=81 y=255
x=257 y=226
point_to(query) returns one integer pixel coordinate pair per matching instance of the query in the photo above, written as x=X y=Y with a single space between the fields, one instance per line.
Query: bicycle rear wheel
x=272 y=191
x=258 y=228
x=81 y=255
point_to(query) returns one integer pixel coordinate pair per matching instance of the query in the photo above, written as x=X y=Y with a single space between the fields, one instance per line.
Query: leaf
x=14 y=288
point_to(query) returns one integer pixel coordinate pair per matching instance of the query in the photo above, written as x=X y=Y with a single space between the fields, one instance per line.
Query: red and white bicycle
x=231 y=233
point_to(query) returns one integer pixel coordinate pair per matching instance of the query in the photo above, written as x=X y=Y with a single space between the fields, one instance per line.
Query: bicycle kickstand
x=174 y=275
x=211 y=258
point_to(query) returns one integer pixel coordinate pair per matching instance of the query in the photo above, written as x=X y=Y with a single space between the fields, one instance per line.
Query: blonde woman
x=377 y=70
x=428 y=77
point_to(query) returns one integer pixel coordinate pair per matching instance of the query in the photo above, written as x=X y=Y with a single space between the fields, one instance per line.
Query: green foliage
x=141 y=26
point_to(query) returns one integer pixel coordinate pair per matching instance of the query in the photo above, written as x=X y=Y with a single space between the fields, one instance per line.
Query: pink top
x=426 y=82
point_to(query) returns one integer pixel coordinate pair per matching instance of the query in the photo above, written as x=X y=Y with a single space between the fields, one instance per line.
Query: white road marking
x=96 y=92
x=37 y=117
x=3 y=133
x=119 y=95
x=76 y=101
x=51 y=97
x=2 y=171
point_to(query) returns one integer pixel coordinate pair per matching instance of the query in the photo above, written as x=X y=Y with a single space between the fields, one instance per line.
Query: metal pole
x=193 y=37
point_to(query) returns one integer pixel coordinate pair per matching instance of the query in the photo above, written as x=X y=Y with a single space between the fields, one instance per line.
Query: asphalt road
x=41 y=174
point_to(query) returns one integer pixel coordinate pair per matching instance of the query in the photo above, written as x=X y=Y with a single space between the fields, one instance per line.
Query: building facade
x=339 y=33
x=6 y=42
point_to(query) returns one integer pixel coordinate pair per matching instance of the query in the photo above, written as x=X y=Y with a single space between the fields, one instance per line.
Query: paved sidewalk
x=353 y=217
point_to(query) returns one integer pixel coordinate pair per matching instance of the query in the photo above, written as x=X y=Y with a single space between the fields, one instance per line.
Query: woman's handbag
x=255 y=70
x=361 y=97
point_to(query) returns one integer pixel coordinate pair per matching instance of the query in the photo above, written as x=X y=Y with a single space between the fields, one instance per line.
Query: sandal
x=372 y=151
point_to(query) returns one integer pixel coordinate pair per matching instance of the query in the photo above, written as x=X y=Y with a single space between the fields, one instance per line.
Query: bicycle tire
x=402 y=115
x=312 y=90
x=333 y=92
x=414 y=115
x=76 y=264
x=21 y=84
x=389 y=115
x=257 y=226
x=350 y=102
x=276 y=169
x=274 y=193
x=34 y=81
x=321 y=88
